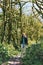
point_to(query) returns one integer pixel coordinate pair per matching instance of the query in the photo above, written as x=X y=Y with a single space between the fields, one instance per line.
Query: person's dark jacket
x=25 y=40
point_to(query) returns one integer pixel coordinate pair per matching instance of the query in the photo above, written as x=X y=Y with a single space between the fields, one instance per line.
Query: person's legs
x=23 y=50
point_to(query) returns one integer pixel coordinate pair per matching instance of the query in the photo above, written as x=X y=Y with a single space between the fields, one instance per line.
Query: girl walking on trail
x=24 y=42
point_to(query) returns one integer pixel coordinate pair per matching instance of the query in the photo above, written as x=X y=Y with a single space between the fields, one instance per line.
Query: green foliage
x=7 y=51
x=33 y=1
x=34 y=55
x=11 y=49
x=32 y=27
x=3 y=54
x=14 y=23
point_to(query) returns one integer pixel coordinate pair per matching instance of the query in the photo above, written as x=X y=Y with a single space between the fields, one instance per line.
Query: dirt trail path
x=15 y=61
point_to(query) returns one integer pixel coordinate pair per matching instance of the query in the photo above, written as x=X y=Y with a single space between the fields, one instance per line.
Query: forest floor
x=14 y=61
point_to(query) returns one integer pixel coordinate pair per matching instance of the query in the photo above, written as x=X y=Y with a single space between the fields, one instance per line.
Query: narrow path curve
x=15 y=61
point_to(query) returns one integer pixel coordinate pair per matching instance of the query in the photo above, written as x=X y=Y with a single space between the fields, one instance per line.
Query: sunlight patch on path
x=15 y=63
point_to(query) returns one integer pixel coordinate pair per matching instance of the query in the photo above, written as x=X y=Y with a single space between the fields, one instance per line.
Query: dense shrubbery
x=6 y=52
x=11 y=49
x=34 y=55
x=3 y=54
